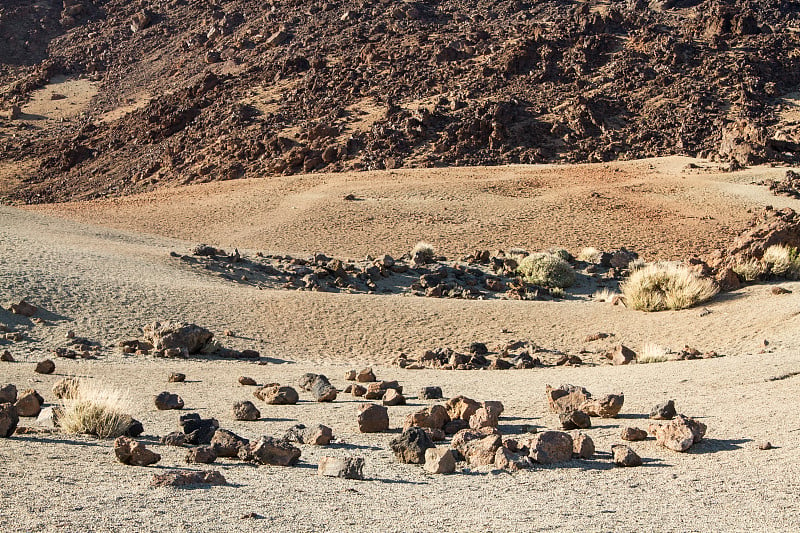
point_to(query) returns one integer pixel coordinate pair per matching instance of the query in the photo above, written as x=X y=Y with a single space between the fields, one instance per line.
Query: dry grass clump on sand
x=652 y=353
x=546 y=270
x=96 y=409
x=661 y=286
x=783 y=261
x=750 y=269
x=605 y=295
x=423 y=250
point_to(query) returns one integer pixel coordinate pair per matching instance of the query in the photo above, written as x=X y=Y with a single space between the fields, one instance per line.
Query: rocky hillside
x=198 y=90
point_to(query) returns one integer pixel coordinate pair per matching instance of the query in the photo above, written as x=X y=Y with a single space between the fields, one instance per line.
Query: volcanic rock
x=347 y=468
x=176 y=377
x=551 y=447
x=131 y=452
x=8 y=419
x=269 y=451
x=188 y=478
x=410 y=446
x=24 y=308
x=607 y=406
x=190 y=337
x=566 y=398
x=582 y=445
x=430 y=393
x=245 y=410
x=461 y=407
x=439 y=461
x=625 y=456
x=505 y=459
x=633 y=434
x=322 y=390
x=201 y=454
x=664 y=411
x=575 y=420
x=198 y=430
x=244 y=380
x=434 y=416
x=166 y=400
x=226 y=443
x=679 y=434
x=276 y=395
x=8 y=393
x=45 y=367
x=29 y=403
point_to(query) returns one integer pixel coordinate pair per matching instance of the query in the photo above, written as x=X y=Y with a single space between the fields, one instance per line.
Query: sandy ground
x=105 y=281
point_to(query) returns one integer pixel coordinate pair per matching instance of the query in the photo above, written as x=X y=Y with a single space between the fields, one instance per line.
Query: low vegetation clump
x=590 y=255
x=652 y=353
x=750 y=269
x=546 y=270
x=424 y=252
x=605 y=295
x=96 y=410
x=782 y=261
x=662 y=286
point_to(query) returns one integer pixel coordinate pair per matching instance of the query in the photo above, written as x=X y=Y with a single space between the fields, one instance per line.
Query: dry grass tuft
x=661 y=286
x=750 y=270
x=590 y=255
x=424 y=251
x=546 y=270
x=652 y=353
x=96 y=410
x=783 y=261
x=605 y=295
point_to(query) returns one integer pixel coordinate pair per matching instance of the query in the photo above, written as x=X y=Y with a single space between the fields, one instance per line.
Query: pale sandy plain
x=103 y=269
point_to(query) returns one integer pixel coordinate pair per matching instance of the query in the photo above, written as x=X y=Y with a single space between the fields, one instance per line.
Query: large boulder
x=245 y=411
x=270 y=451
x=322 y=390
x=45 y=367
x=434 y=417
x=373 y=418
x=8 y=419
x=190 y=337
x=566 y=398
x=482 y=451
x=440 y=461
x=8 y=393
x=679 y=434
x=461 y=407
x=198 y=430
x=347 y=468
x=227 y=443
x=410 y=446
x=551 y=447
x=625 y=456
x=607 y=406
x=131 y=452
x=166 y=400
x=664 y=411
x=582 y=445
x=486 y=416
x=29 y=403
x=277 y=395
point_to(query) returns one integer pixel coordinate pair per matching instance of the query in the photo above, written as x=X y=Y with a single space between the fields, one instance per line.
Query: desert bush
x=750 y=269
x=590 y=255
x=661 y=286
x=636 y=264
x=557 y=292
x=604 y=295
x=561 y=253
x=783 y=261
x=96 y=410
x=423 y=251
x=546 y=270
x=652 y=353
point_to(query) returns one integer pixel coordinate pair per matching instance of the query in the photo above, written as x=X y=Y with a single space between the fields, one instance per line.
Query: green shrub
x=546 y=270
x=661 y=286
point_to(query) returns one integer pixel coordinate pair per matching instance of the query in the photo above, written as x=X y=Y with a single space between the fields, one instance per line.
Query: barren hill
x=109 y=97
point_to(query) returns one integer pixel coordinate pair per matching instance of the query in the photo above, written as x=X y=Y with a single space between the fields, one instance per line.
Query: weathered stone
x=582 y=445
x=461 y=407
x=6 y=357
x=481 y=452
x=201 y=454
x=440 y=461
x=347 y=468
x=430 y=393
x=66 y=388
x=176 y=438
x=317 y=435
x=607 y=406
x=505 y=459
x=462 y=439
x=198 y=430
x=276 y=395
x=245 y=380
x=322 y=390
x=575 y=420
x=29 y=403
x=434 y=416
x=764 y=445
x=166 y=400
x=24 y=308
x=392 y=397
x=176 y=377
x=190 y=337
x=131 y=452
x=45 y=367
x=8 y=393
x=227 y=443
x=625 y=456
x=350 y=375
x=485 y=417
x=366 y=375
x=410 y=446
x=664 y=411
x=48 y=417
x=306 y=381
x=134 y=429
x=566 y=398
x=358 y=390
x=679 y=434
x=373 y=418
x=269 y=451
x=551 y=447
x=8 y=419
x=187 y=478
x=621 y=355
x=633 y=434
x=246 y=410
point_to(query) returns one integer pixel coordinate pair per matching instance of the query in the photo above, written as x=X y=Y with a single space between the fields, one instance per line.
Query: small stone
x=347 y=468
x=276 y=395
x=366 y=376
x=664 y=411
x=317 y=435
x=322 y=390
x=373 y=418
x=679 y=434
x=621 y=355
x=461 y=407
x=582 y=445
x=505 y=459
x=166 y=400
x=440 y=461
x=430 y=393
x=176 y=377
x=176 y=438
x=131 y=452
x=45 y=367
x=482 y=451
x=246 y=410
x=434 y=417
x=625 y=456
x=764 y=445
x=607 y=406
x=187 y=478
x=8 y=393
x=350 y=375
x=633 y=434
x=269 y=451
x=551 y=447
x=245 y=380
x=358 y=390
x=227 y=443
x=392 y=397
x=201 y=454
x=410 y=446
x=6 y=357
x=8 y=419
x=29 y=403
x=575 y=420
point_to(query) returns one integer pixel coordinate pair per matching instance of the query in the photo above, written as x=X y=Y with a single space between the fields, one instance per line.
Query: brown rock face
x=505 y=459
x=8 y=393
x=201 y=454
x=625 y=456
x=633 y=434
x=45 y=367
x=366 y=375
x=269 y=451
x=575 y=420
x=679 y=434
x=621 y=355
x=187 y=478
x=607 y=406
x=276 y=395
x=165 y=401
x=391 y=397
x=227 y=443
x=582 y=446
x=481 y=452
x=410 y=446
x=190 y=337
x=131 y=452
x=461 y=407
x=29 y=403
x=566 y=398
x=246 y=411
x=551 y=447
x=373 y=418
x=8 y=419
x=434 y=417
x=439 y=461
x=347 y=468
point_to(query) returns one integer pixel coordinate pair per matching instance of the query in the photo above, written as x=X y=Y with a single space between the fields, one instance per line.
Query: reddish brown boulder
x=29 y=403
x=358 y=390
x=582 y=445
x=227 y=443
x=187 y=478
x=176 y=377
x=391 y=397
x=366 y=375
x=410 y=446
x=201 y=454
x=679 y=434
x=347 y=468
x=621 y=355
x=607 y=406
x=625 y=456
x=8 y=419
x=633 y=434
x=246 y=411
x=269 y=451
x=551 y=447
x=246 y=380
x=131 y=452
x=8 y=393
x=461 y=407
x=505 y=459
x=166 y=400
x=276 y=395
x=566 y=398
x=481 y=452
x=434 y=416
x=24 y=308
x=373 y=418
x=45 y=367
x=575 y=420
